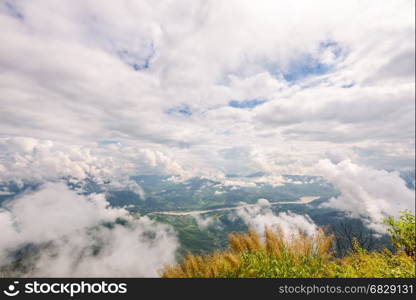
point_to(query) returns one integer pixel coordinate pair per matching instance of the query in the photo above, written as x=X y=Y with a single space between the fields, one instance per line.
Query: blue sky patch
x=183 y=110
x=336 y=49
x=135 y=51
x=309 y=65
x=347 y=86
x=246 y=103
x=135 y=60
x=305 y=67
x=108 y=142
x=13 y=11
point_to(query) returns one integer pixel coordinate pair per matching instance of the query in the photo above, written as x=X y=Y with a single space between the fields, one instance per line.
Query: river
x=302 y=200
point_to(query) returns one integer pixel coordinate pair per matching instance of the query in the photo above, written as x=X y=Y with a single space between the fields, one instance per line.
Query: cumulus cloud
x=290 y=223
x=39 y=160
x=367 y=193
x=203 y=222
x=78 y=236
x=34 y=160
x=329 y=74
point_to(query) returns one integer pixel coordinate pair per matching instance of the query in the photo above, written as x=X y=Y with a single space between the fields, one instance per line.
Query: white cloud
x=69 y=77
x=367 y=193
x=290 y=223
x=72 y=226
x=39 y=160
x=29 y=159
x=203 y=222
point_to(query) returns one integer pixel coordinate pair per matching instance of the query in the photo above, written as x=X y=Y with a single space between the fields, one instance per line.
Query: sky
x=109 y=89
x=204 y=88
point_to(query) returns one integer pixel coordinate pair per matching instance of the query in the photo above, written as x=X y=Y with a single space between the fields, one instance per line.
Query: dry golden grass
x=213 y=265
x=274 y=245
x=276 y=255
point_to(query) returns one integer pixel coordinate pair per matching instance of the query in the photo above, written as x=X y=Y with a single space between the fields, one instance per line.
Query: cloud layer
x=78 y=238
x=310 y=79
x=259 y=217
x=367 y=193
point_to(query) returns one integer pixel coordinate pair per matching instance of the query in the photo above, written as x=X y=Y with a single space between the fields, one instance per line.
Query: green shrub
x=403 y=232
x=373 y=265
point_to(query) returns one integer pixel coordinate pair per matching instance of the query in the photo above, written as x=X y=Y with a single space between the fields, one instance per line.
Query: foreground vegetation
x=276 y=255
